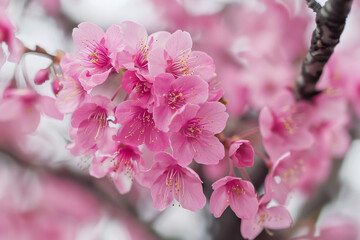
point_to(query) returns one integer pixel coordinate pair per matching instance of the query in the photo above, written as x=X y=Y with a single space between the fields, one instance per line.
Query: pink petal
x=113 y=38
x=126 y=111
x=178 y=42
x=162 y=84
x=82 y=113
x=162 y=117
x=133 y=34
x=279 y=218
x=162 y=161
x=244 y=204
x=194 y=89
x=214 y=115
x=122 y=182
x=191 y=195
x=204 y=65
x=157 y=62
x=129 y=81
x=49 y=107
x=242 y=153
x=186 y=113
x=251 y=228
x=12 y=107
x=222 y=181
x=208 y=150
x=156 y=140
x=182 y=148
x=87 y=32
x=266 y=122
x=219 y=201
x=16 y=49
x=89 y=80
x=100 y=167
x=160 y=193
x=32 y=121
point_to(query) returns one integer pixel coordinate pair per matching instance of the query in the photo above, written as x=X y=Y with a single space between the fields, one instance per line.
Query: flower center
x=96 y=54
x=175 y=100
x=175 y=181
x=141 y=56
x=182 y=64
x=193 y=128
x=100 y=117
x=123 y=161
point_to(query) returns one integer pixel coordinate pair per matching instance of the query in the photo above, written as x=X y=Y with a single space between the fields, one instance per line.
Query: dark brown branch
x=314 y=5
x=330 y=22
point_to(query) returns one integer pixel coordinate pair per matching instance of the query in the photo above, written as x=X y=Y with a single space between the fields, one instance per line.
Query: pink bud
x=41 y=76
x=56 y=86
x=242 y=153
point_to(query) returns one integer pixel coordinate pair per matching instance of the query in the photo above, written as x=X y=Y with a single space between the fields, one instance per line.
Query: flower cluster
x=161 y=97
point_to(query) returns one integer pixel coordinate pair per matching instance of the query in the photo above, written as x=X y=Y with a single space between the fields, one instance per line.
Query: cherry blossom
x=133 y=45
x=242 y=153
x=285 y=126
x=23 y=108
x=137 y=87
x=192 y=133
x=122 y=166
x=138 y=127
x=178 y=58
x=92 y=55
x=89 y=122
x=237 y=193
x=171 y=94
x=273 y=218
x=168 y=180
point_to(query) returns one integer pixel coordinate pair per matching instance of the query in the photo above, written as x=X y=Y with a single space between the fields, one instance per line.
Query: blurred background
x=257 y=46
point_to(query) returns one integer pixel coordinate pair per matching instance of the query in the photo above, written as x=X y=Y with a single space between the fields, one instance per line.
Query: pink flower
x=131 y=48
x=330 y=132
x=274 y=218
x=89 y=123
x=138 y=127
x=216 y=91
x=333 y=228
x=237 y=193
x=285 y=126
x=137 y=86
x=171 y=94
x=41 y=76
x=23 y=107
x=178 y=58
x=285 y=176
x=193 y=129
x=56 y=86
x=241 y=153
x=71 y=94
x=271 y=79
x=92 y=55
x=7 y=35
x=122 y=166
x=168 y=180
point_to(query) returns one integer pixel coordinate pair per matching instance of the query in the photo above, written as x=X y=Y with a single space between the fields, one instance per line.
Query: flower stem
x=246 y=134
x=245 y=174
x=264 y=158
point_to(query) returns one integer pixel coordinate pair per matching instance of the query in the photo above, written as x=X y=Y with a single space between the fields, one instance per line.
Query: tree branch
x=330 y=22
x=314 y=5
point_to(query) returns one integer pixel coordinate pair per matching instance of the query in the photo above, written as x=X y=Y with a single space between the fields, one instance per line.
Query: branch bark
x=314 y=5
x=330 y=22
